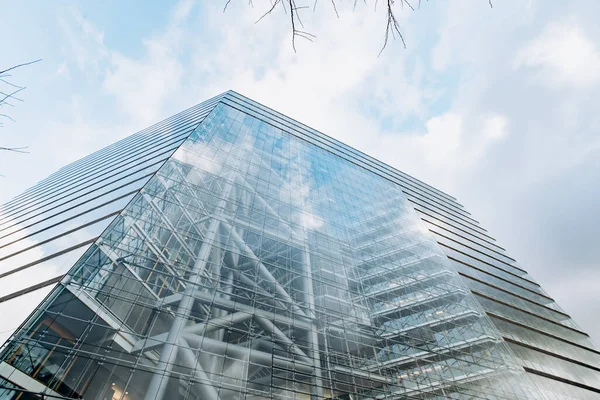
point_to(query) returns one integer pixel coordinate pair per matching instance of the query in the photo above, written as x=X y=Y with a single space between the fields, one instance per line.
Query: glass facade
x=231 y=252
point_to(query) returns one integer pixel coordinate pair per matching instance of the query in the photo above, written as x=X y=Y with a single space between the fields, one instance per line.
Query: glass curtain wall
x=265 y=259
x=257 y=265
x=46 y=229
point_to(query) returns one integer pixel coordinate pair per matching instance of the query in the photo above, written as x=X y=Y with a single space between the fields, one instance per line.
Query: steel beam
x=158 y=383
x=188 y=358
x=263 y=271
x=216 y=324
x=205 y=344
x=268 y=326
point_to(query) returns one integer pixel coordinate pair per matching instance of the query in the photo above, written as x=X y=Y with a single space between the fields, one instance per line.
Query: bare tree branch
x=269 y=11
x=4 y=97
x=11 y=95
x=335 y=8
x=392 y=26
x=20 y=65
x=295 y=19
x=7 y=116
x=15 y=149
x=12 y=84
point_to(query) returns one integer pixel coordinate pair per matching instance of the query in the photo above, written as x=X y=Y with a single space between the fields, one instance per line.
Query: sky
x=496 y=106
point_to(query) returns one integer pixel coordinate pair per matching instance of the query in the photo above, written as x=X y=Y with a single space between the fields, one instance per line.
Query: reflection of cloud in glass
x=15 y=310
x=203 y=156
x=310 y=221
x=17 y=278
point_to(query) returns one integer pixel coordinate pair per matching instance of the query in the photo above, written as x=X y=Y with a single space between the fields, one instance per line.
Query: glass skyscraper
x=230 y=252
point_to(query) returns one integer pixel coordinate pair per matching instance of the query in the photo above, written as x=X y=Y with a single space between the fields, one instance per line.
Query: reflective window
x=264 y=259
x=255 y=264
x=13 y=311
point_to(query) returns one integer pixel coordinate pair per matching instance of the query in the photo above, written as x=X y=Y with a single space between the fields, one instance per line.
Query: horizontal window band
x=549 y=353
x=49 y=257
x=240 y=100
x=234 y=96
x=66 y=188
x=61 y=196
x=450 y=208
x=30 y=289
x=475 y=249
x=446 y=209
x=149 y=153
x=469 y=222
x=463 y=229
x=485 y=262
x=498 y=277
x=343 y=154
x=198 y=112
x=469 y=239
x=563 y=380
x=75 y=206
x=69 y=219
x=112 y=214
x=321 y=138
x=90 y=192
x=513 y=294
x=510 y=321
x=491 y=265
x=318 y=140
x=528 y=312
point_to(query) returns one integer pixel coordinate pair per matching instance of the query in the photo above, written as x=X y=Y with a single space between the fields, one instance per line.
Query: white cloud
x=140 y=86
x=310 y=221
x=63 y=70
x=562 y=55
x=452 y=144
x=85 y=41
x=478 y=129
x=15 y=311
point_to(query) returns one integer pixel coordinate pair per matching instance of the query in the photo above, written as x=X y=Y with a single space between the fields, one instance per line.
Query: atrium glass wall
x=264 y=259
x=45 y=230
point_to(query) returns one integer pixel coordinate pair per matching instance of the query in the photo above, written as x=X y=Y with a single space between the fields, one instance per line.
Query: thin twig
x=15 y=149
x=12 y=84
x=16 y=98
x=293 y=24
x=7 y=116
x=269 y=11
x=335 y=8
x=5 y=96
x=20 y=65
x=392 y=26
x=11 y=95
